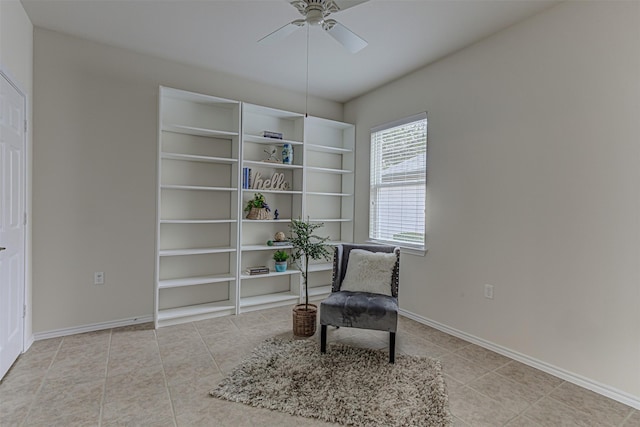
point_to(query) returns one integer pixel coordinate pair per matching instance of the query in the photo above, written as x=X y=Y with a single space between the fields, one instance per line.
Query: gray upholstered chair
x=364 y=310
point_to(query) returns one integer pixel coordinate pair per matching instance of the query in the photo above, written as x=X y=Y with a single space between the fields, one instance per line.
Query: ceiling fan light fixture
x=315 y=15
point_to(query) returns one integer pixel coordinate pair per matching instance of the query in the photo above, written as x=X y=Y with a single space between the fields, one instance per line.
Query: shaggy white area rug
x=347 y=385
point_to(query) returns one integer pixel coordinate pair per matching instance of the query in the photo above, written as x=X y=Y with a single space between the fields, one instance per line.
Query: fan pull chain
x=306 y=93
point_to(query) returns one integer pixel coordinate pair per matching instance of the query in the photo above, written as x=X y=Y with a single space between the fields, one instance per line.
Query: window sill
x=403 y=249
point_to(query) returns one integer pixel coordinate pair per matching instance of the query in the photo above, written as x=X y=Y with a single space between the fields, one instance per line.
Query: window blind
x=398 y=182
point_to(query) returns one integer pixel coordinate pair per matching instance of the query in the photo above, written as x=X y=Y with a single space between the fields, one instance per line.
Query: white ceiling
x=221 y=35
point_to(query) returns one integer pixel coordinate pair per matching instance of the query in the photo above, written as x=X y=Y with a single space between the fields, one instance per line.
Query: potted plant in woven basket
x=306 y=246
x=257 y=207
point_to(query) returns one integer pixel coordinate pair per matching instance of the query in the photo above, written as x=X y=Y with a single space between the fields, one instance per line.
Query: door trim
x=27 y=339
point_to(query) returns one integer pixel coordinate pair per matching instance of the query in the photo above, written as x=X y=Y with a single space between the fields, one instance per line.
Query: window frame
x=407 y=247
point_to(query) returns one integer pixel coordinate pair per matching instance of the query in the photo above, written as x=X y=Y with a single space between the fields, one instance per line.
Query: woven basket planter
x=304 y=321
x=258 y=213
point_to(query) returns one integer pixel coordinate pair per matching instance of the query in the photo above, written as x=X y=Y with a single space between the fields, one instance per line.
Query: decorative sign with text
x=276 y=182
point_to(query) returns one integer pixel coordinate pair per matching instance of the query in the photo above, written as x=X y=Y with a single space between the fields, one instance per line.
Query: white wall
x=95 y=153
x=16 y=59
x=533 y=186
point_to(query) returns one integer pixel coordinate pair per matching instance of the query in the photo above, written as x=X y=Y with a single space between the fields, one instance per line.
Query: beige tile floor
x=141 y=376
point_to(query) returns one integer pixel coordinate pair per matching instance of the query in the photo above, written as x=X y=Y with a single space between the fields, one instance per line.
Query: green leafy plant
x=258 y=201
x=307 y=246
x=280 y=256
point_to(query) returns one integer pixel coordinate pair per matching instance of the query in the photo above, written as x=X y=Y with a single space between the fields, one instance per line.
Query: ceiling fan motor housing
x=315 y=11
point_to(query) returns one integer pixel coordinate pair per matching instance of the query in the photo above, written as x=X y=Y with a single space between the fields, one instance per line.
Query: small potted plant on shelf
x=280 y=257
x=306 y=246
x=257 y=207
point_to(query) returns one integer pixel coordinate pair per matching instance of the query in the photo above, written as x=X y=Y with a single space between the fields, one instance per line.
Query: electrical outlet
x=98 y=278
x=488 y=291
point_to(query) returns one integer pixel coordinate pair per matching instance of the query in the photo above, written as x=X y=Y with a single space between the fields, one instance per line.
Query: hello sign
x=276 y=182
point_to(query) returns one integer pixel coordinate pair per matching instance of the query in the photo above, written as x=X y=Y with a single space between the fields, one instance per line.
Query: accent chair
x=364 y=294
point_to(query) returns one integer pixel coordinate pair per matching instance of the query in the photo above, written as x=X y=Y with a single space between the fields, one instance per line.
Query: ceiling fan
x=317 y=12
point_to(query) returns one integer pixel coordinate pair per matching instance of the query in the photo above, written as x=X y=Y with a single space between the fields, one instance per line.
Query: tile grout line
x=496 y=402
x=399 y=346
x=627 y=418
x=454 y=352
x=166 y=381
x=490 y=371
x=515 y=417
x=208 y=349
x=447 y=351
x=44 y=377
x=567 y=405
x=547 y=395
x=511 y=380
x=521 y=414
x=106 y=374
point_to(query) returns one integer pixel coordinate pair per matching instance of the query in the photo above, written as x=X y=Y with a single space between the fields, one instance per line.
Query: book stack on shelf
x=272 y=134
x=260 y=269
x=279 y=239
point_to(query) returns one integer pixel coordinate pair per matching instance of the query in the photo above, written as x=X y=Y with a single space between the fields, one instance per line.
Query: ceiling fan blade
x=283 y=31
x=350 y=40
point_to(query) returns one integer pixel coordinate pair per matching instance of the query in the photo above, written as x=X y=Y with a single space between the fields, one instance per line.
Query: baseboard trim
x=28 y=342
x=92 y=327
x=603 y=389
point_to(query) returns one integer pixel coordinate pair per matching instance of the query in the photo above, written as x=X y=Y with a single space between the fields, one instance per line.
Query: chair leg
x=392 y=347
x=323 y=338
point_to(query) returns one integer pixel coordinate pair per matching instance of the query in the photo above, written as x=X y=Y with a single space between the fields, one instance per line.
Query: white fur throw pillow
x=369 y=272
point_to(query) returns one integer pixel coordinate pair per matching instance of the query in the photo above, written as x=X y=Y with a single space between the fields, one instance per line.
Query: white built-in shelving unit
x=198 y=197
x=329 y=178
x=204 y=241
x=274 y=289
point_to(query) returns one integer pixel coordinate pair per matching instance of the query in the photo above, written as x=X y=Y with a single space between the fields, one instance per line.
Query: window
x=398 y=182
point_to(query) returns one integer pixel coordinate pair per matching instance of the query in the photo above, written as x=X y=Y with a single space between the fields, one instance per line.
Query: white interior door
x=12 y=229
